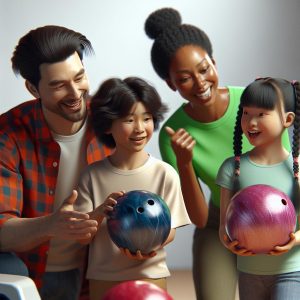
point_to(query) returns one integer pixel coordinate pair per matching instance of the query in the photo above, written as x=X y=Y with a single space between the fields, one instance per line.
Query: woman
x=196 y=139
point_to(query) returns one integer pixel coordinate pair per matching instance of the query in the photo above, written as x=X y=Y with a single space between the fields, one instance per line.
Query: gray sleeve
x=225 y=174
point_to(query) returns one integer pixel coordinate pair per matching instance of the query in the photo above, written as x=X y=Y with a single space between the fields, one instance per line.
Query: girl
x=124 y=115
x=268 y=107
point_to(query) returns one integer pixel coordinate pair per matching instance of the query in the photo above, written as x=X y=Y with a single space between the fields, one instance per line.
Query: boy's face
x=132 y=133
x=63 y=89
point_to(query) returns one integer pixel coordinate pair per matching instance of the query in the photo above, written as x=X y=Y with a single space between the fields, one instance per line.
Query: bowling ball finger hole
x=140 y=210
x=150 y=202
x=283 y=201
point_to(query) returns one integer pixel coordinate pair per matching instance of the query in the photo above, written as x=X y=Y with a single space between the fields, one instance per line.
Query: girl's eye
x=245 y=113
x=261 y=114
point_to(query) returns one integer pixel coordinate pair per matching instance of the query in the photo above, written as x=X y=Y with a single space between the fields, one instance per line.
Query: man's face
x=63 y=90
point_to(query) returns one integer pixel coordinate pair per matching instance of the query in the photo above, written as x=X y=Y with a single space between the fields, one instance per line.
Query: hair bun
x=160 y=20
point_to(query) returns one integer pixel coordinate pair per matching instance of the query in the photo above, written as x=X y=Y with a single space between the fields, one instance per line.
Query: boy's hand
x=138 y=255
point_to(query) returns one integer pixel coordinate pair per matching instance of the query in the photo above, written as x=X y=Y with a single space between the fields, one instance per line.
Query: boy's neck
x=125 y=161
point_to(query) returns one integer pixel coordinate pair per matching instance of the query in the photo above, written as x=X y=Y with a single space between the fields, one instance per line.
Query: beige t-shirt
x=100 y=179
x=63 y=254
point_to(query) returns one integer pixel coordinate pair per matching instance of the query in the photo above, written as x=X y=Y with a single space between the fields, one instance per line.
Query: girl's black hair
x=114 y=100
x=267 y=93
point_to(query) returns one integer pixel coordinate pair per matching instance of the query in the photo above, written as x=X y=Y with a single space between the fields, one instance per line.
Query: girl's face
x=262 y=126
x=193 y=73
x=133 y=132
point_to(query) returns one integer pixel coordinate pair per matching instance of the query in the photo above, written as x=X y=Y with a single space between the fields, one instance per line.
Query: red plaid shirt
x=29 y=160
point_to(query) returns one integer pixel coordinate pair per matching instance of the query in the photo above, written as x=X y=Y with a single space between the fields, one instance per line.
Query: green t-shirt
x=214 y=142
x=281 y=177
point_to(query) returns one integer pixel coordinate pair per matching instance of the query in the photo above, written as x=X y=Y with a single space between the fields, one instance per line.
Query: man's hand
x=66 y=223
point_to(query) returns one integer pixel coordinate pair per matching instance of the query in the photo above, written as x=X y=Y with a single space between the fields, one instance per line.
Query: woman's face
x=193 y=73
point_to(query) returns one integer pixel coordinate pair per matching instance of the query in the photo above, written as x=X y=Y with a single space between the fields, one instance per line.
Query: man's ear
x=170 y=85
x=32 y=89
x=289 y=119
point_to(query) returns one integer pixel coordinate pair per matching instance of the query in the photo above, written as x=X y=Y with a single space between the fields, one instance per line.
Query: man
x=44 y=145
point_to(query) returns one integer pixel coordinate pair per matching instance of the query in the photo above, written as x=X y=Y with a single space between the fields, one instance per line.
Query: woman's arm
x=196 y=205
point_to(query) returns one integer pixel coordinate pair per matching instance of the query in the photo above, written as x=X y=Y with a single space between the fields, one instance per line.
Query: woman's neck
x=212 y=112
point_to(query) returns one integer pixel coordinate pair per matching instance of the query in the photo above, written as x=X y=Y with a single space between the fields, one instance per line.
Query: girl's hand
x=182 y=144
x=233 y=247
x=138 y=255
x=278 y=250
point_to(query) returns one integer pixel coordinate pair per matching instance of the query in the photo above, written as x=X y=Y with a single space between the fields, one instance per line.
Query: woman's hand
x=182 y=144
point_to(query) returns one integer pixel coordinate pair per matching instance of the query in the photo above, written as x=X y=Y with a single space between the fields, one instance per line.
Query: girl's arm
x=294 y=241
x=225 y=198
x=196 y=205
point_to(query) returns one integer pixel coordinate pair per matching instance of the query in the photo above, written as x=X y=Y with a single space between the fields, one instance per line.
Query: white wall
x=250 y=39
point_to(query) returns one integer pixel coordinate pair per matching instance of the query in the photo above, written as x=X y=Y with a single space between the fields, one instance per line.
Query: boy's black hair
x=164 y=26
x=114 y=100
x=47 y=44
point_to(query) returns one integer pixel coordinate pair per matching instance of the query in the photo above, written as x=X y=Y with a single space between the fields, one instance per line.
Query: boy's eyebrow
x=58 y=81
x=144 y=113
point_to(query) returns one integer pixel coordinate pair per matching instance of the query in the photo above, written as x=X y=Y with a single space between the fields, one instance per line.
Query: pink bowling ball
x=260 y=217
x=136 y=290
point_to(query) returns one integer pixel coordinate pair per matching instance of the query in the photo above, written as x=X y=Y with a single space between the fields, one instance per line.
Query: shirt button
x=54 y=164
x=51 y=192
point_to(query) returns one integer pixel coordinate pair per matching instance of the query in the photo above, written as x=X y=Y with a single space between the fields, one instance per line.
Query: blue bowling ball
x=141 y=220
